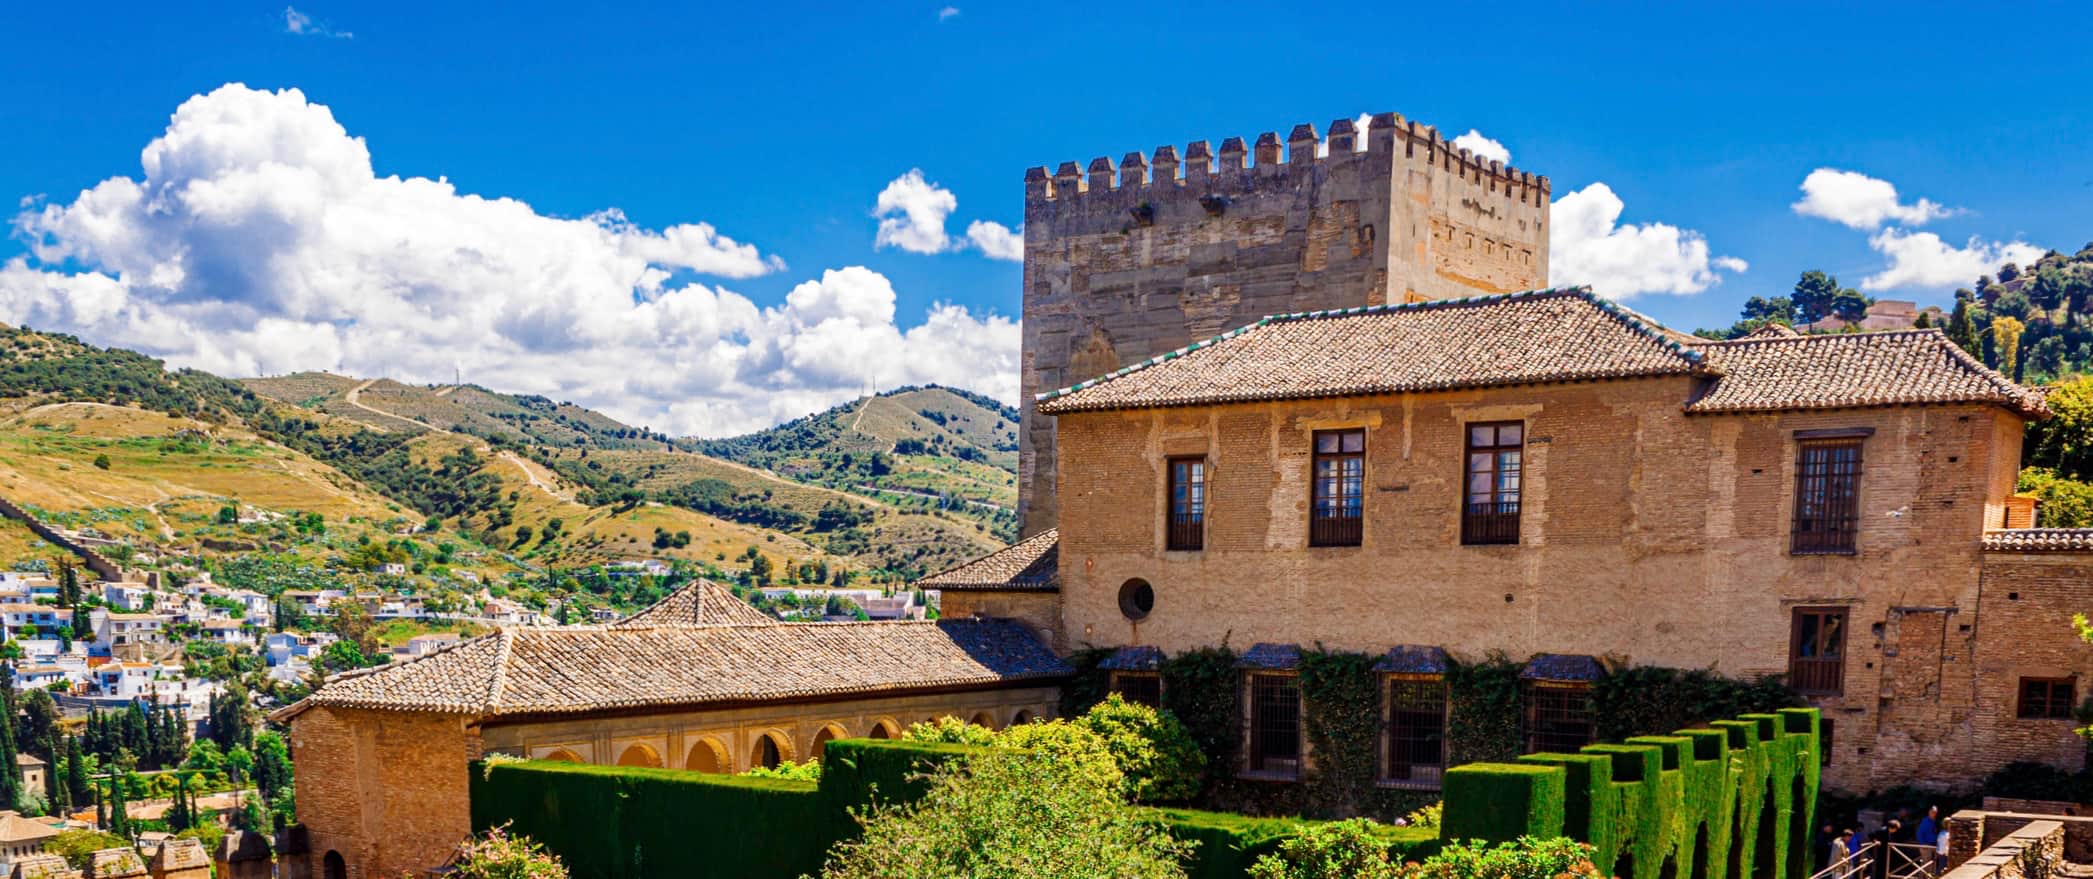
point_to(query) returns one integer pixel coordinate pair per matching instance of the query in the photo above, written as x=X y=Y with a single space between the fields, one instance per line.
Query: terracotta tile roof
x=44 y=866
x=703 y=603
x=17 y=830
x=1029 y=565
x=2039 y=540
x=583 y=669
x=1847 y=370
x=1514 y=339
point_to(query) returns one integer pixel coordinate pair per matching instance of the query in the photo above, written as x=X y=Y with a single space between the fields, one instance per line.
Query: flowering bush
x=950 y=731
x=1158 y=757
x=1339 y=850
x=1524 y=858
x=497 y=855
x=808 y=771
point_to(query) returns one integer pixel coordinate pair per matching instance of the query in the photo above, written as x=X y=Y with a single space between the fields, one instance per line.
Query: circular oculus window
x=1136 y=598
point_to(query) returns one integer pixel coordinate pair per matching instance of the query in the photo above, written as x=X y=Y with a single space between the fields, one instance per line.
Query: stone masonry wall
x=2024 y=631
x=385 y=789
x=1040 y=612
x=1129 y=261
x=1648 y=537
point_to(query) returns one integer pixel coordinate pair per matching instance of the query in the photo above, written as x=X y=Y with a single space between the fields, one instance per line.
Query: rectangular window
x=1817 y=651
x=1416 y=730
x=1187 y=524
x=1824 y=730
x=1139 y=686
x=1340 y=486
x=2047 y=698
x=1559 y=717
x=1827 y=496
x=1491 y=513
x=1275 y=725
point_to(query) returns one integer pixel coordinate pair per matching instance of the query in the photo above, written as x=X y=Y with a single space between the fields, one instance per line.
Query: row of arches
x=770 y=747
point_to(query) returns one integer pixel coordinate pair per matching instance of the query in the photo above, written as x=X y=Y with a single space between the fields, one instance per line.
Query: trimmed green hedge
x=1733 y=801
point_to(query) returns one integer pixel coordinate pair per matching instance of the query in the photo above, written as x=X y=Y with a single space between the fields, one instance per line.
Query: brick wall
x=2024 y=630
x=1123 y=263
x=1647 y=536
x=1039 y=611
x=385 y=789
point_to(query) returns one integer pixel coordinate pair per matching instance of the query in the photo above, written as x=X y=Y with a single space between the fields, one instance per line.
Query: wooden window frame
x=1412 y=774
x=1184 y=530
x=1493 y=521
x=1336 y=529
x=2047 y=705
x=1812 y=670
x=1827 y=493
x=1255 y=760
x=1546 y=725
x=1151 y=680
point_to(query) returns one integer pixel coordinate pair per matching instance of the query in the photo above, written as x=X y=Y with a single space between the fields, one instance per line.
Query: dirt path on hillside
x=353 y=398
x=532 y=476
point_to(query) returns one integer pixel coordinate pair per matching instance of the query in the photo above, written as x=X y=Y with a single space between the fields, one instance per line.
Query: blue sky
x=780 y=124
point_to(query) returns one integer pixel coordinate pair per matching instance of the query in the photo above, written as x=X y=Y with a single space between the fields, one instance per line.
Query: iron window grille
x=1275 y=725
x=1338 y=506
x=1416 y=738
x=1495 y=457
x=2047 y=698
x=1559 y=716
x=1827 y=497
x=1187 y=525
x=1145 y=687
x=1817 y=652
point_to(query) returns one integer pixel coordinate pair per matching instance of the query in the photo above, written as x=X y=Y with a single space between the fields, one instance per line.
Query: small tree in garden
x=1161 y=761
x=498 y=855
x=1342 y=850
x=1524 y=858
x=1010 y=814
x=950 y=731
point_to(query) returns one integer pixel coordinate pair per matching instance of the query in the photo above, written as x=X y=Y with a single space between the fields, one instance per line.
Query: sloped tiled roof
x=1133 y=659
x=703 y=603
x=1415 y=660
x=1562 y=667
x=1029 y=565
x=1271 y=657
x=2039 y=540
x=1761 y=373
x=583 y=669
x=16 y=830
x=1514 y=339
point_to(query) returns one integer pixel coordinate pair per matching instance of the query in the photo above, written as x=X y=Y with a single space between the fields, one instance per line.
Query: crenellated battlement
x=1387 y=135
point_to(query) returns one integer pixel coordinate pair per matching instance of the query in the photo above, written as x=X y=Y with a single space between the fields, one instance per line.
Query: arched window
x=638 y=754
x=881 y=730
x=706 y=756
x=768 y=752
x=827 y=734
x=333 y=867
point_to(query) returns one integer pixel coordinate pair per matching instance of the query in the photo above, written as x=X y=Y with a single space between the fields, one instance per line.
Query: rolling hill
x=516 y=483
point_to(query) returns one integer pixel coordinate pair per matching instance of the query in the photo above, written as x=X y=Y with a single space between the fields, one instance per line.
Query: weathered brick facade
x=1648 y=536
x=1128 y=262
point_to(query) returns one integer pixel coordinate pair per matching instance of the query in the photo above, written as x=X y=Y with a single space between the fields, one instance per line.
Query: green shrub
x=808 y=771
x=1156 y=753
x=949 y=731
x=1007 y=814
x=1338 y=850
x=1076 y=748
x=1426 y=818
x=1524 y=858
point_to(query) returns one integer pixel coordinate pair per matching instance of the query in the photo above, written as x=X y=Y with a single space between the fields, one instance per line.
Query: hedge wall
x=1727 y=800
x=1730 y=801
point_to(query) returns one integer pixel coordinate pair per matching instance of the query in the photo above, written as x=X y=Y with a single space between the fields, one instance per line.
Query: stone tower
x=1124 y=263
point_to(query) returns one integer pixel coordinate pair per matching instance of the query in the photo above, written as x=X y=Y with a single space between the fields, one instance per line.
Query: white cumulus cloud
x=1922 y=259
x=1860 y=201
x=295 y=22
x=912 y=212
x=1483 y=147
x=996 y=240
x=947 y=13
x=258 y=240
x=1589 y=245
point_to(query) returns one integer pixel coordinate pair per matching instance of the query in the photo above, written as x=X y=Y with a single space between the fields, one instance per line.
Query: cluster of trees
x=2034 y=323
x=1816 y=296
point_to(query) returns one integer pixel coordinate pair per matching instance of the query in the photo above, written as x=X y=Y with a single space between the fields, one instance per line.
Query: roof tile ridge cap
x=355 y=673
x=1421 y=304
x=1641 y=325
x=926 y=578
x=665 y=599
x=1970 y=362
x=496 y=687
x=1157 y=360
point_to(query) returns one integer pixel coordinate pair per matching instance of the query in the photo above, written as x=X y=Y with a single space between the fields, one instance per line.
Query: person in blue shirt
x=1929 y=827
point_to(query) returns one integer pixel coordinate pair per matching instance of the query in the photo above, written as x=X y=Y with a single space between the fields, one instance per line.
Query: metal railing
x=1902 y=860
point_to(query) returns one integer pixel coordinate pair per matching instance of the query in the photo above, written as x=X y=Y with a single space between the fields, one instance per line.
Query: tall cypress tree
x=119 y=817
x=10 y=774
x=76 y=771
x=55 y=792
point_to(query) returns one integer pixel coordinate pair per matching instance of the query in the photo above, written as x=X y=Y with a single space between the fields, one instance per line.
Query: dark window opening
x=1495 y=456
x=1827 y=497
x=1145 y=687
x=1824 y=727
x=2047 y=698
x=1187 y=525
x=1416 y=730
x=1275 y=725
x=1136 y=599
x=1340 y=488
x=1559 y=717
x=1817 y=651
